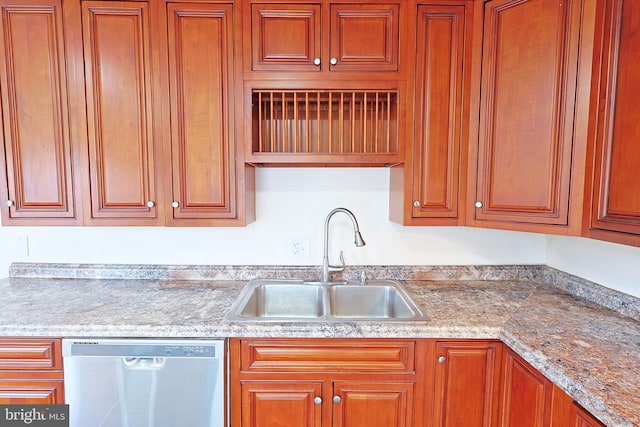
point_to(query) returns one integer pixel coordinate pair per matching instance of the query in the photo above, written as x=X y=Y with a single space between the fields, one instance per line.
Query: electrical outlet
x=299 y=248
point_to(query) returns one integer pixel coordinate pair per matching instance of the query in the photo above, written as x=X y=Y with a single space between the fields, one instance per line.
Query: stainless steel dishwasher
x=144 y=382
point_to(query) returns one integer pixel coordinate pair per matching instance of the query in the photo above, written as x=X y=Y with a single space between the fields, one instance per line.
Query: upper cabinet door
x=118 y=70
x=438 y=122
x=364 y=37
x=285 y=37
x=290 y=37
x=35 y=111
x=615 y=115
x=202 y=110
x=528 y=91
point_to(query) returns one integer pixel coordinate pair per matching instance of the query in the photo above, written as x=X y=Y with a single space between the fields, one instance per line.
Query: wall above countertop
x=293 y=203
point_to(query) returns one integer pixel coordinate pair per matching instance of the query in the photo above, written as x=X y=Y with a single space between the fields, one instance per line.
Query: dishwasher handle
x=144 y=363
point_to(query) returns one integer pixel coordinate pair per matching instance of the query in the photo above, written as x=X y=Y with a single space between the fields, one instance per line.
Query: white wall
x=609 y=264
x=291 y=203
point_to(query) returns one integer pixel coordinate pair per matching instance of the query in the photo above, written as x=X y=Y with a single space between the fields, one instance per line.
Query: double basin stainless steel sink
x=297 y=300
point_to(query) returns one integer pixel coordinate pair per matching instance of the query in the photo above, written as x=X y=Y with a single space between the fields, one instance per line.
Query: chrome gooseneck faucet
x=359 y=241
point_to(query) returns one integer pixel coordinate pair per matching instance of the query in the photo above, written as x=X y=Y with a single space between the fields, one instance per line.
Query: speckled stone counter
x=589 y=347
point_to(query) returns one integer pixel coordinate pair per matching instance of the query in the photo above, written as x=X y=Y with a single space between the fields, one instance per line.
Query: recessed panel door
x=529 y=71
x=35 y=108
x=122 y=141
x=202 y=110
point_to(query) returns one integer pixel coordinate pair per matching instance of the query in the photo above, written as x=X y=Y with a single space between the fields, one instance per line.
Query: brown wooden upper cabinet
x=124 y=144
x=614 y=209
x=122 y=113
x=203 y=154
x=317 y=37
x=37 y=158
x=429 y=188
x=325 y=82
x=527 y=169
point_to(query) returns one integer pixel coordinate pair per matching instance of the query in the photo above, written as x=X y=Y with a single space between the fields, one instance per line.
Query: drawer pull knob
x=317 y=400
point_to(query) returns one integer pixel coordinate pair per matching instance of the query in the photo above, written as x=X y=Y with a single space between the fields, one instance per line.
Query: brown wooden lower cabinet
x=567 y=413
x=31 y=371
x=526 y=394
x=467 y=383
x=327 y=382
x=392 y=383
x=31 y=391
x=373 y=403
x=578 y=417
x=281 y=403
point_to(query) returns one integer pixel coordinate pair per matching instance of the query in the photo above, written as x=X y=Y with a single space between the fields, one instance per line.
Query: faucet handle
x=339 y=267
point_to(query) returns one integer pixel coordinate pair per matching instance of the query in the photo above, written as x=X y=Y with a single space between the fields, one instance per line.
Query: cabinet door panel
x=35 y=113
x=364 y=37
x=439 y=83
x=37 y=392
x=373 y=404
x=616 y=202
x=467 y=383
x=285 y=37
x=526 y=394
x=201 y=84
x=578 y=417
x=119 y=109
x=281 y=404
x=527 y=109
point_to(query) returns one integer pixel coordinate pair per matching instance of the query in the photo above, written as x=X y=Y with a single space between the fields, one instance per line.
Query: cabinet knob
x=316 y=61
x=333 y=61
x=442 y=359
x=175 y=204
x=416 y=203
x=337 y=399
x=478 y=204
x=150 y=204
x=9 y=203
x=317 y=400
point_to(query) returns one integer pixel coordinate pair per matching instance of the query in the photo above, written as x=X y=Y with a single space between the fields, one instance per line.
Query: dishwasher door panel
x=136 y=391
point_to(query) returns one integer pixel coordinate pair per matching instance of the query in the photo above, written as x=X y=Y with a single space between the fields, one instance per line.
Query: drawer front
x=30 y=354
x=324 y=355
x=31 y=392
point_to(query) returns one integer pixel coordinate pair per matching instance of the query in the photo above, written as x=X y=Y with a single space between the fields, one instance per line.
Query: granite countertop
x=583 y=337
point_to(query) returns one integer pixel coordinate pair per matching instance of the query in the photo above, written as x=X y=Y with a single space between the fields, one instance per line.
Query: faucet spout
x=359 y=241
